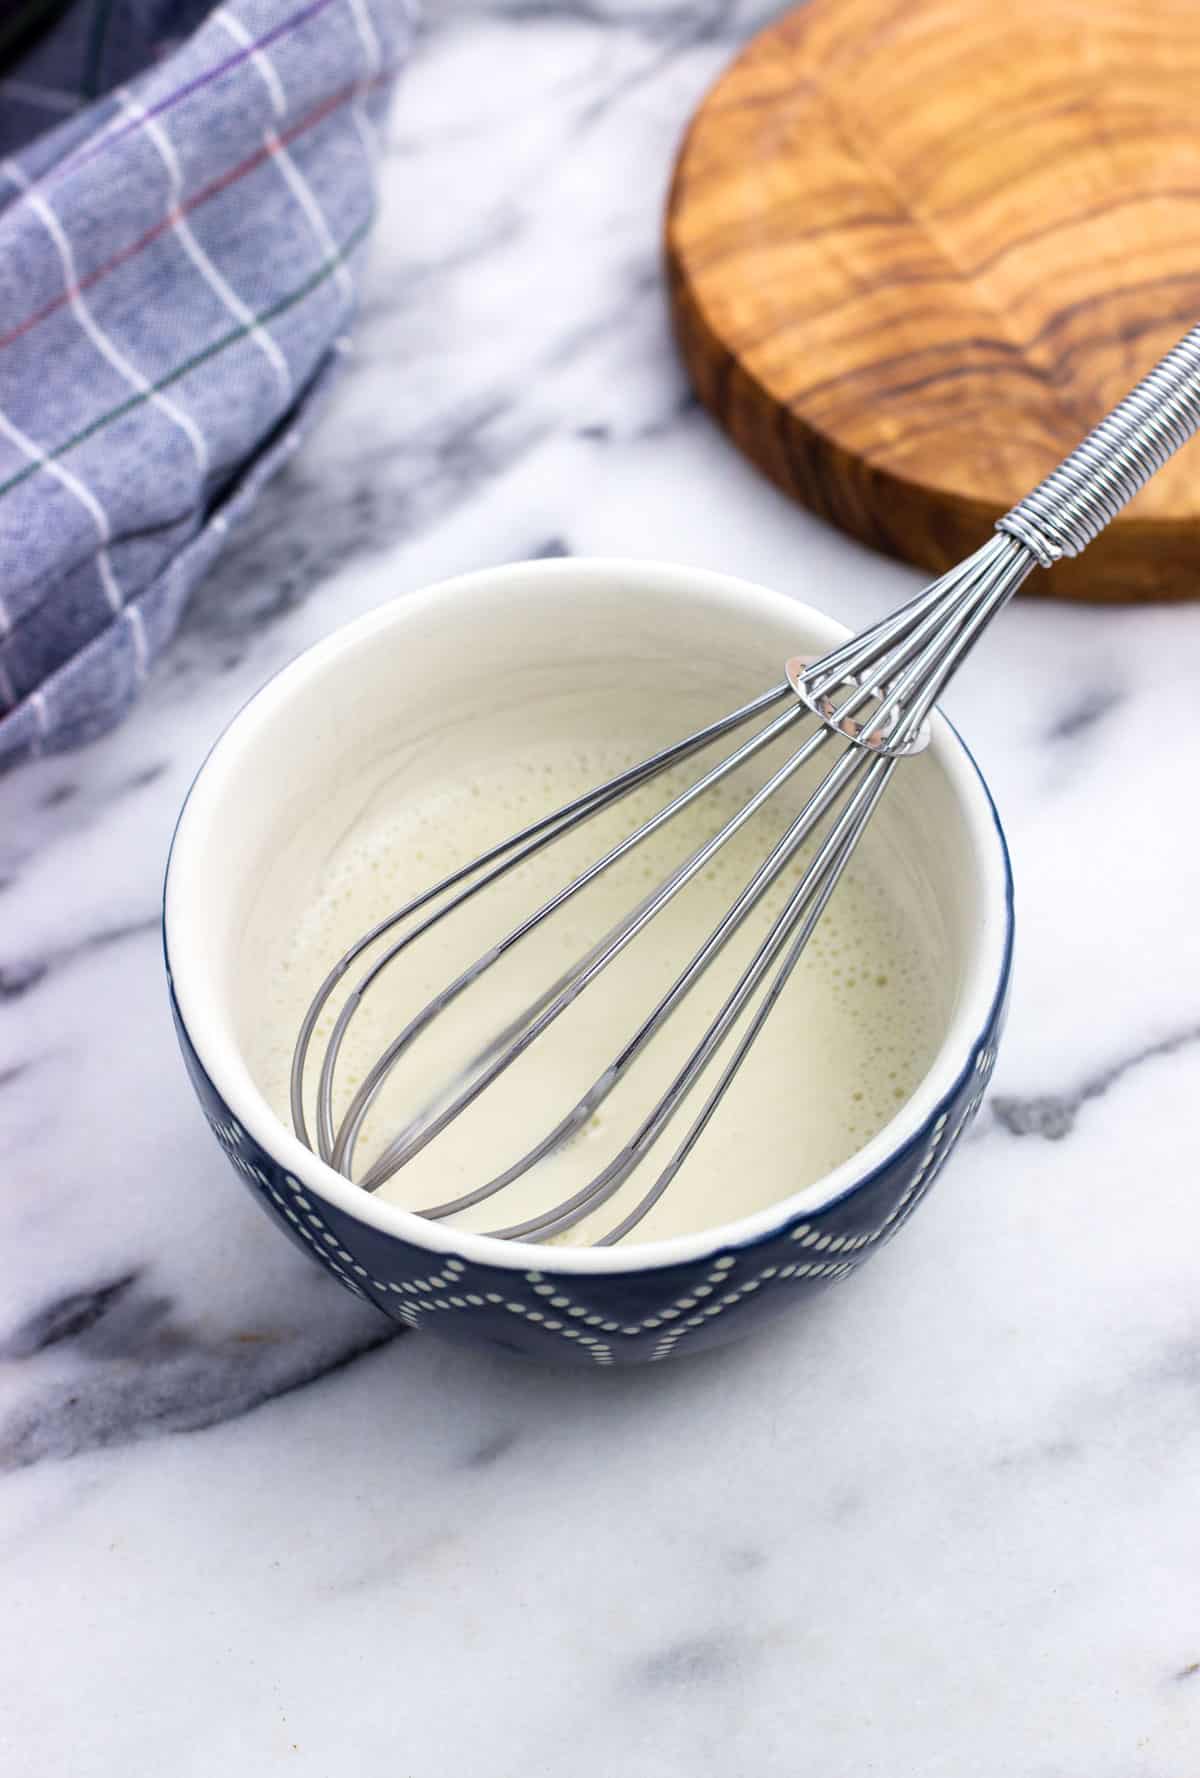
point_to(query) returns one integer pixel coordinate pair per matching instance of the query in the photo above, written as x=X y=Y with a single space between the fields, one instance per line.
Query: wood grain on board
x=918 y=247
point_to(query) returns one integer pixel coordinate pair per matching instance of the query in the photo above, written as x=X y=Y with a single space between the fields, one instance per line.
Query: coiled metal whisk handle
x=1116 y=459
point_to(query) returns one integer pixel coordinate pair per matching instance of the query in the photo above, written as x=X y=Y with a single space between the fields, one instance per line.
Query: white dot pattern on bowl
x=551 y=1306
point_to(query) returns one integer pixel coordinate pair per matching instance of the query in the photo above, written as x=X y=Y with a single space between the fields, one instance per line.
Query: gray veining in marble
x=944 y=1525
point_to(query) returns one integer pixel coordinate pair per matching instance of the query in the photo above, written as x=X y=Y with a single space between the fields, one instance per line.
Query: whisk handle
x=1079 y=498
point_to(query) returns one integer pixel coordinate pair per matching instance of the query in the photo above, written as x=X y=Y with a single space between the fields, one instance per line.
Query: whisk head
x=866 y=703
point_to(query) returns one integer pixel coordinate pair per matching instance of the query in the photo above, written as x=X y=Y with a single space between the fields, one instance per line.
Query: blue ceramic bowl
x=480 y=659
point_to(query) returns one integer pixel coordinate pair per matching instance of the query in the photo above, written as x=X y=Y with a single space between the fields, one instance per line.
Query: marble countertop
x=943 y=1527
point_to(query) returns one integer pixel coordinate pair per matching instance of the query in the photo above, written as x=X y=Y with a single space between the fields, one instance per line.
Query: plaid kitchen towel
x=185 y=191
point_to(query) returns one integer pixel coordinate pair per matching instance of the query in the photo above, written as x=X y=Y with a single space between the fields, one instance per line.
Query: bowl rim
x=219 y=1056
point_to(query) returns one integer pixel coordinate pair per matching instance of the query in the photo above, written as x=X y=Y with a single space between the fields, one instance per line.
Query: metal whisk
x=872 y=696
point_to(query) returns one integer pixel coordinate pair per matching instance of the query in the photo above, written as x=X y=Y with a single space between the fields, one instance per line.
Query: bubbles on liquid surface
x=846 y=1044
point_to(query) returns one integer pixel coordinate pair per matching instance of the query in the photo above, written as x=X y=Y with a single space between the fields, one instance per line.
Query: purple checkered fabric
x=185 y=194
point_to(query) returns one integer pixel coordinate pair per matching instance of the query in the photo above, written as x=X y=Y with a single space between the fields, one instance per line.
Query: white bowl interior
x=494 y=662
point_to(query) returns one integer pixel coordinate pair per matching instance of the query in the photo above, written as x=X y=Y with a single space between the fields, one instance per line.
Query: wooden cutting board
x=918 y=247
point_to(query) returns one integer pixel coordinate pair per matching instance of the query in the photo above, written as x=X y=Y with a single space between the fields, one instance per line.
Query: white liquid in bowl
x=857 y=1027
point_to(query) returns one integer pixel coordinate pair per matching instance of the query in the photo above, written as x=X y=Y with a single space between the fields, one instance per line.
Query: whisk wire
x=875 y=691
x=505 y=856
x=819 y=881
x=906 y=662
x=876 y=780
x=766 y=874
x=1002 y=566
x=576 y=979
